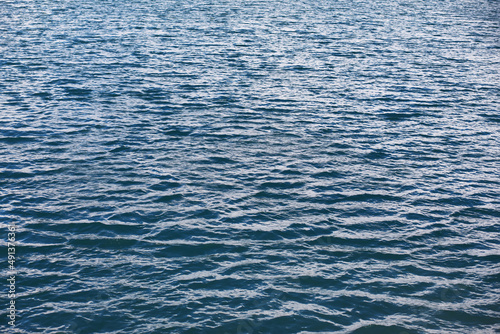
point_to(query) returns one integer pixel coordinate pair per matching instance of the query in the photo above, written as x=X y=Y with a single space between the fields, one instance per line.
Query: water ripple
x=252 y=166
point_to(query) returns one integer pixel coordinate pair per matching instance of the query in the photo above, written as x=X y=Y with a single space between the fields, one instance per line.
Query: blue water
x=247 y=166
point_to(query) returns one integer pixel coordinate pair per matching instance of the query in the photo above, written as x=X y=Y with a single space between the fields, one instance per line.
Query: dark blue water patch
x=435 y=232
x=372 y=254
x=179 y=132
x=476 y=212
x=251 y=219
x=272 y=195
x=491 y=117
x=216 y=160
x=372 y=198
x=423 y=270
x=324 y=199
x=89 y=227
x=377 y=154
x=122 y=149
x=194 y=234
x=45 y=239
x=492 y=278
x=18 y=139
x=422 y=217
x=468 y=318
x=136 y=217
x=169 y=198
x=383 y=329
x=450 y=201
x=165 y=186
x=77 y=92
x=291 y=172
x=103 y=243
x=357 y=242
x=455 y=262
x=9 y=175
x=281 y=185
x=204 y=249
x=257 y=325
x=152 y=94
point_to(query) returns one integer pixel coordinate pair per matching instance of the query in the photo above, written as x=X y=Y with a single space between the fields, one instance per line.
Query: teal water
x=231 y=167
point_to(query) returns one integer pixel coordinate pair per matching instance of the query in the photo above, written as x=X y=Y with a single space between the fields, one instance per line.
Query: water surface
x=251 y=166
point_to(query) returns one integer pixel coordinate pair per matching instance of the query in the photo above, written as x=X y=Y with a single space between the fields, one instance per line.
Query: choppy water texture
x=212 y=166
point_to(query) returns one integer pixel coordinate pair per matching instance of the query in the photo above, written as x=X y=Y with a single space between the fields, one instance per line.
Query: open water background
x=212 y=166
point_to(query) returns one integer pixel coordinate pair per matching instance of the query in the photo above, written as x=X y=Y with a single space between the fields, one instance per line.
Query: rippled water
x=214 y=166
